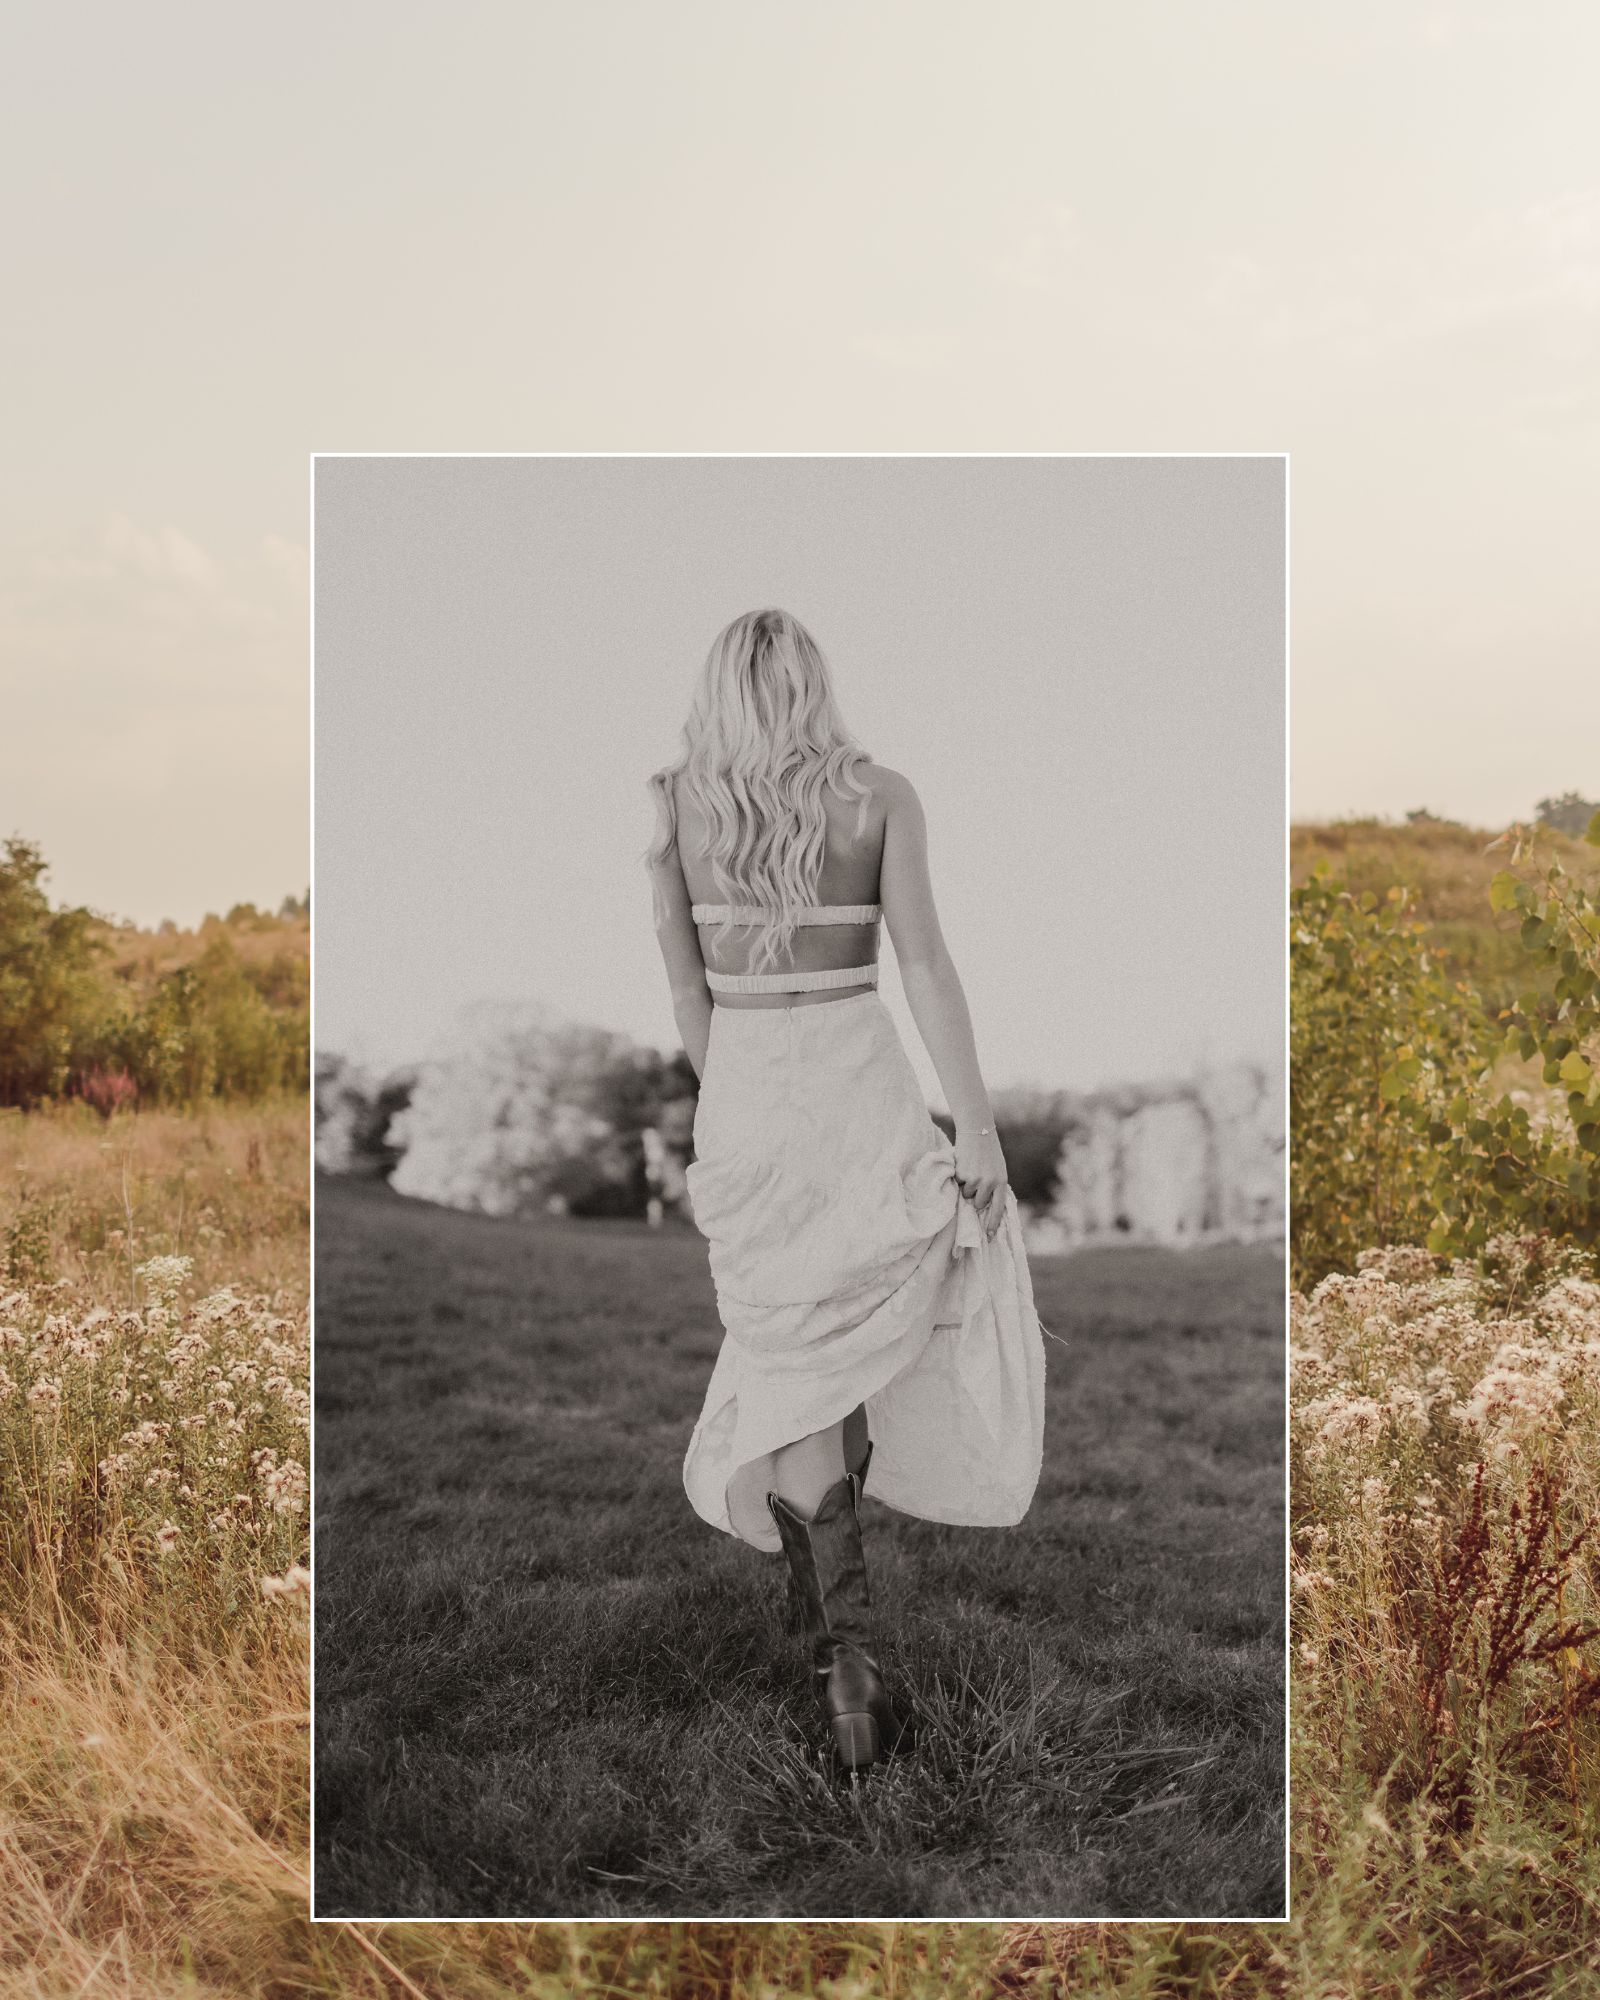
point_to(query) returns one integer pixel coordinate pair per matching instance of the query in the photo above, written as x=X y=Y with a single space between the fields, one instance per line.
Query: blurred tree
x=1570 y=813
x=533 y=1111
x=354 y=1113
x=209 y=1029
x=48 y=983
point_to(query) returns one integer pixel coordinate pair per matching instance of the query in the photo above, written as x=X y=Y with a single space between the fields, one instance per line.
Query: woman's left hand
x=981 y=1176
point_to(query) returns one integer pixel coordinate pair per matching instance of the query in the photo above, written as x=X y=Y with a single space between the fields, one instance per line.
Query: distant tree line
x=534 y=1113
x=531 y=1113
x=1570 y=813
x=76 y=1024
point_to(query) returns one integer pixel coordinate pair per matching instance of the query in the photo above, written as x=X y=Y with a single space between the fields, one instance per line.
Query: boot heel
x=855 y=1741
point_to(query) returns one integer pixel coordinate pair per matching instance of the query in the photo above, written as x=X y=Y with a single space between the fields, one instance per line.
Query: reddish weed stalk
x=1493 y=1602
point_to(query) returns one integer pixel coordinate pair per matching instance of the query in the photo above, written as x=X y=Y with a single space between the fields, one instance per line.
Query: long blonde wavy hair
x=763 y=740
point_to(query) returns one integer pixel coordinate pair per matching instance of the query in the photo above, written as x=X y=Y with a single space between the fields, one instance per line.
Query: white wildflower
x=1408 y=1406
x=165 y=1277
x=285 y=1486
x=1504 y=1395
x=295 y=1579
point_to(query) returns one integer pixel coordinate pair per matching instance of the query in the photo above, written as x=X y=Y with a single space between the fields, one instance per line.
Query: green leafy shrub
x=1366 y=994
x=1535 y=1166
x=1401 y=1130
x=86 y=1011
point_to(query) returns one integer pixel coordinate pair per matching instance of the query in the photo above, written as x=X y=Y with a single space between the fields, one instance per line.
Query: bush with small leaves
x=1527 y=1160
x=1401 y=1131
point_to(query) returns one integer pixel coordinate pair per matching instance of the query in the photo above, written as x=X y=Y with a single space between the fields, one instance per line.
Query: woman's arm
x=933 y=992
x=680 y=948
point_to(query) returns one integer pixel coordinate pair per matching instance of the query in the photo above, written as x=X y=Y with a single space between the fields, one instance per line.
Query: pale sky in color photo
x=1367 y=236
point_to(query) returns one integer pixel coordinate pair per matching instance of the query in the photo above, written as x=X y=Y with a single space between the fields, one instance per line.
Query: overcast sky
x=1368 y=235
x=1077 y=661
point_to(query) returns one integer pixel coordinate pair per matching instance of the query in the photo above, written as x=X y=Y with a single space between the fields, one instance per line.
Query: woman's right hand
x=981 y=1175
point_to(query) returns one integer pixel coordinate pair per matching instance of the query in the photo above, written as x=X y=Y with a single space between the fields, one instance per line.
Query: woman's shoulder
x=680 y=797
x=889 y=787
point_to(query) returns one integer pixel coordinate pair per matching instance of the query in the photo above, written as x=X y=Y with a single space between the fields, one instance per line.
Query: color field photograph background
x=1369 y=238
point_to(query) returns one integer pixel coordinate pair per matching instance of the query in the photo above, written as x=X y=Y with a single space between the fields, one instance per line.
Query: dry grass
x=1447 y=1590
x=85 y=1198
x=153 y=1781
x=152 y=1794
x=1448 y=865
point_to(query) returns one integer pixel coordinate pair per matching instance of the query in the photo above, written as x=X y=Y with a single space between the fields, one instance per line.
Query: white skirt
x=850 y=1268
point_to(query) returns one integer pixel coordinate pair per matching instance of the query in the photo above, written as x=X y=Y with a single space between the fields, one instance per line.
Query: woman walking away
x=870 y=1277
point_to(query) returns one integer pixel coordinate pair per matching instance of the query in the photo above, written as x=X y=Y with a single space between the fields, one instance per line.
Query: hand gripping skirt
x=850 y=1268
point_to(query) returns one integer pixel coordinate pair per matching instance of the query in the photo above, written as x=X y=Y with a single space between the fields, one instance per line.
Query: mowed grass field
x=543 y=1687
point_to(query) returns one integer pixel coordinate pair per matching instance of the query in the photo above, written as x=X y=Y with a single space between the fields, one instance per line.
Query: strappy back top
x=789 y=982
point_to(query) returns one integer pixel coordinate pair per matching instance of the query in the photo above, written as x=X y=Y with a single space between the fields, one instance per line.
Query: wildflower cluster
x=171 y=1433
x=1441 y=1425
x=1403 y=1371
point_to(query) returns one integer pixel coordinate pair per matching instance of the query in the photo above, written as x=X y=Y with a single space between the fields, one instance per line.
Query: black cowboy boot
x=829 y=1567
x=794 y=1604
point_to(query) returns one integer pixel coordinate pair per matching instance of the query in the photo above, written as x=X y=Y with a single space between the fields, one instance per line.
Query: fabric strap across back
x=789 y=982
x=813 y=913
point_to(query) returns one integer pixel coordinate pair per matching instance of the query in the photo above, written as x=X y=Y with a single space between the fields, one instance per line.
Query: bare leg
x=804 y=1471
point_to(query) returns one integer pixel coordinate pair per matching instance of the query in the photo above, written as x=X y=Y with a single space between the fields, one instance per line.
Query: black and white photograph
x=799 y=1295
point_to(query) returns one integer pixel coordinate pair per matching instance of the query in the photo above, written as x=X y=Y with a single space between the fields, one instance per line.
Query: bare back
x=850 y=873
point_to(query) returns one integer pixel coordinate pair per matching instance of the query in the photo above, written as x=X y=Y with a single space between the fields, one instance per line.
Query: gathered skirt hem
x=850 y=1270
